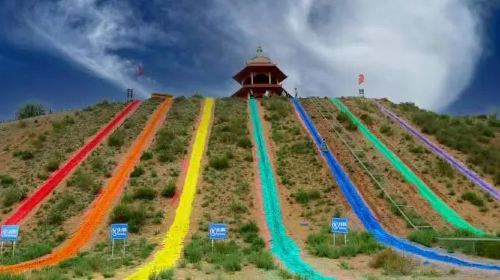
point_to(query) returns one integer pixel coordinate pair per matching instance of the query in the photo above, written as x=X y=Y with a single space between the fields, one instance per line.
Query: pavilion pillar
x=251 y=78
x=269 y=77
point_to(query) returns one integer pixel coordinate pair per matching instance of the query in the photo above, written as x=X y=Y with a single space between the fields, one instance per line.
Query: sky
x=443 y=55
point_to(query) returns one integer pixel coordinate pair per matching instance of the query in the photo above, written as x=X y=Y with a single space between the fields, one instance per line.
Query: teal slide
x=440 y=206
x=282 y=246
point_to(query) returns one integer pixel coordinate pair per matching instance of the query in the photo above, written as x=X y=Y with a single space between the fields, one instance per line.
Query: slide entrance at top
x=455 y=163
x=282 y=246
x=437 y=204
x=362 y=211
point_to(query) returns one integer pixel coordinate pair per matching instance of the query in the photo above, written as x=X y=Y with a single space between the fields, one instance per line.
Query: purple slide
x=438 y=151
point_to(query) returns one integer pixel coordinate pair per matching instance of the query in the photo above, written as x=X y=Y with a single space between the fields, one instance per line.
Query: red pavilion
x=260 y=78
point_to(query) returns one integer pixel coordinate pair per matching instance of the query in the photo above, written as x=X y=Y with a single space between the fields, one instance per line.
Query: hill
x=266 y=175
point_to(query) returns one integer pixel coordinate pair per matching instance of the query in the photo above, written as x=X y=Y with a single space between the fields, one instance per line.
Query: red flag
x=140 y=71
x=361 y=78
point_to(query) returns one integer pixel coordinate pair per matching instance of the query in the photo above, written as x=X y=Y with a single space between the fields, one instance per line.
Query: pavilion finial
x=260 y=52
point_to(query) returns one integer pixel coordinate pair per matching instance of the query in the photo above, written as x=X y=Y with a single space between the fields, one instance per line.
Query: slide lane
x=103 y=204
x=439 y=205
x=369 y=221
x=282 y=246
x=459 y=166
x=62 y=173
x=173 y=242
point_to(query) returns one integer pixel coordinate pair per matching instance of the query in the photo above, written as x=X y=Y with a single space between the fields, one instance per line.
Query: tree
x=29 y=110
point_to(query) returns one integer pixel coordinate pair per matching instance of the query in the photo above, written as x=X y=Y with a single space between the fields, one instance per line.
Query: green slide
x=440 y=206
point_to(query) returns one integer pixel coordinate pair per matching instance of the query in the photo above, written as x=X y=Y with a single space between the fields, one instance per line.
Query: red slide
x=60 y=174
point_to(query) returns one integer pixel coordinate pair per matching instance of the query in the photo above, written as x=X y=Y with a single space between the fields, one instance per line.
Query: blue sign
x=339 y=225
x=217 y=231
x=10 y=233
x=119 y=231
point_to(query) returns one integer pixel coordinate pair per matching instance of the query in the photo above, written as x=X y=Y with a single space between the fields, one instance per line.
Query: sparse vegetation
x=473 y=198
x=320 y=244
x=471 y=135
x=392 y=263
x=169 y=190
x=487 y=249
x=30 y=110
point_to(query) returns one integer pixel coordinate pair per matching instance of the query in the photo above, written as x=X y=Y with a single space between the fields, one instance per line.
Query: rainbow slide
x=437 y=204
x=63 y=172
x=102 y=206
x=364 y=214
x=282 y=246
x=455 y=163
x=173 y=242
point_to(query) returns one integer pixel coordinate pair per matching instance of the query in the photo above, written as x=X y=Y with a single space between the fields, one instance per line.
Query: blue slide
x=369 y=221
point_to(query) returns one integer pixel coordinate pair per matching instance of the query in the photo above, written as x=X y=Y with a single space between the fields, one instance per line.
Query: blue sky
x=442 y=55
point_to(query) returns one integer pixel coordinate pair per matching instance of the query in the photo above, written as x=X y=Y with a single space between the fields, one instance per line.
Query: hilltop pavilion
x=260 y=77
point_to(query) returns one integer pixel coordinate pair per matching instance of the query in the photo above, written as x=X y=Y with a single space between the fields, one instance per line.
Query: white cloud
x=89 y=32
x=419 y=51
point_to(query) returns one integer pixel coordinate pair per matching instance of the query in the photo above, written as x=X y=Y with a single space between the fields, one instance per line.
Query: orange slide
x=102 y=206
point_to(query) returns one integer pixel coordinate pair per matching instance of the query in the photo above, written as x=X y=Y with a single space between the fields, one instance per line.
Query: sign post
x=339 y=225
x=118 y=232
x=10 y=233
x=217 y=231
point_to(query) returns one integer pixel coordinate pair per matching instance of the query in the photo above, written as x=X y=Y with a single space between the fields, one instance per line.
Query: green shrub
x=244 y=143
x=83 y=180
x=445 y=169
x=231 y=262
x=194 y=250
x=98 y=164
x=30 y=110
x=12 y=195
x=24 y=155
x=263 y=259
x=387 y=130
x=473 y=198
x=134 y=216
x=417 y=149
x=320 y=244
x=238 y=208
x=169 y=190
x=52 y=165
x=302 y=147
x=145 y=193
x=424 y=237
x=117 y=139
x=342 y=117
x=163 y=275
x=137 y=172
x=303 y=197
x=147 y=155
x=219 y=162
x=6 y=180
x=392 y=263
x=11 y=277
x=367 y=119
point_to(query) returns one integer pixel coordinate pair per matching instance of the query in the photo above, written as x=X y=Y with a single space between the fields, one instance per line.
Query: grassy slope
x=307 y=186
x=59 y=216
x=474 y=139
x=143 y=210
x=226 y=195
x=401 y=191
x=444 y=180
x=48 y=139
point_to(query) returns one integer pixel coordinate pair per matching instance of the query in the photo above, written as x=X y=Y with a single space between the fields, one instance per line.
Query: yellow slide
x=173 y=243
